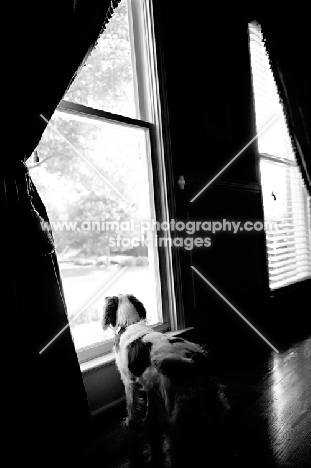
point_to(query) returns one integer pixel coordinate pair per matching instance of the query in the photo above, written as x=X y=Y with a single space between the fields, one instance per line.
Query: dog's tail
x=191 y=372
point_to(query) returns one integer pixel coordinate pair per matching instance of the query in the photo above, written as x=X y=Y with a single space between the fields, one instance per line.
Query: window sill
x=109 y=358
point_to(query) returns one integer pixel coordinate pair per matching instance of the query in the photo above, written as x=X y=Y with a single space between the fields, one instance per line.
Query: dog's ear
x=139 y=306
x=110 y=312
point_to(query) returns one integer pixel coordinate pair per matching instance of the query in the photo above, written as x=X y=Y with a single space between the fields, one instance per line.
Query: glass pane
x=285 y=201
x=275 y=139
x=106 y=80
x=285 y=198
x=95 y=180
x=275 y=190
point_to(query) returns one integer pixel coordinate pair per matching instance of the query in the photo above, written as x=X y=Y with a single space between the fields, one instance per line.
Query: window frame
x=147 y=93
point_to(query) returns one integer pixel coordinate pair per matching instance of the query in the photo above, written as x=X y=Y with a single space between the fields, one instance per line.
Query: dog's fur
x=167 y=379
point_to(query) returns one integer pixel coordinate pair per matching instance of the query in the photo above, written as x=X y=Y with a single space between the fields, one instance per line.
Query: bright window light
x=285 y=199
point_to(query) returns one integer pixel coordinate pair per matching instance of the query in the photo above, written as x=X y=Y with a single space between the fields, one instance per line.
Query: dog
x=167 y=379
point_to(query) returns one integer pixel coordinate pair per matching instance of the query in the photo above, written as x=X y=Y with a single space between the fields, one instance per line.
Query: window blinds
x=285 y=199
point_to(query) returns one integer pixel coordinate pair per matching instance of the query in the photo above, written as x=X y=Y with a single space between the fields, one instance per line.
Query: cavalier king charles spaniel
x=167 y=379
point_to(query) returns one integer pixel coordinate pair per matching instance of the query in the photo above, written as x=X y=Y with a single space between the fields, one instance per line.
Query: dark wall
x=209 y=93
x=211 y=117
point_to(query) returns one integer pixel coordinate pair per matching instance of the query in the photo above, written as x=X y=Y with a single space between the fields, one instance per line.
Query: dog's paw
x=126 y=422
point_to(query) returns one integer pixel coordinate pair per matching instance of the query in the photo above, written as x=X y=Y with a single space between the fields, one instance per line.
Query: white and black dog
x=167 y=379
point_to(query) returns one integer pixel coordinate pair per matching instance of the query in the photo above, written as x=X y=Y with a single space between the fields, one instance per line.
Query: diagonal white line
x=85 y=159
x=235 y=310
x=234 y=158
x=82 y=310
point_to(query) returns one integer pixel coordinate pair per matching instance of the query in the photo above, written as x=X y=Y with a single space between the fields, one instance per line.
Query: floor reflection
x=289 y=413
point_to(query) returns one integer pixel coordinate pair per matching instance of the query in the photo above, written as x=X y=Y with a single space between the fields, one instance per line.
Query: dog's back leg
x=135 y=404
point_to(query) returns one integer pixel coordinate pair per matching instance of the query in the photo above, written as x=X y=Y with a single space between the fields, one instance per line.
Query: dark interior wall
x=209 y=90
x=211 y=118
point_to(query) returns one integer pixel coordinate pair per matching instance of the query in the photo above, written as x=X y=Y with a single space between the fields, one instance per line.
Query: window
x=100 y=172
x=285 y=199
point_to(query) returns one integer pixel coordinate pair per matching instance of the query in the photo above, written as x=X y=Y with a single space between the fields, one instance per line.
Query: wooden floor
x=268 y=425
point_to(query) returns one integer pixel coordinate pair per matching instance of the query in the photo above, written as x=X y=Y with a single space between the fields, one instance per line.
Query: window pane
x=285 y=199
x=95 y=178
x=287 y=219
x=275 y=139
x=106 y=80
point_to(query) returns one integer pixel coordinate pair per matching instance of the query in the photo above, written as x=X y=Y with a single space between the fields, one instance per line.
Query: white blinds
x=285 y=199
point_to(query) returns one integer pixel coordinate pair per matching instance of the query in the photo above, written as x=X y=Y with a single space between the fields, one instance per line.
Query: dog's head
x=122 y=310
